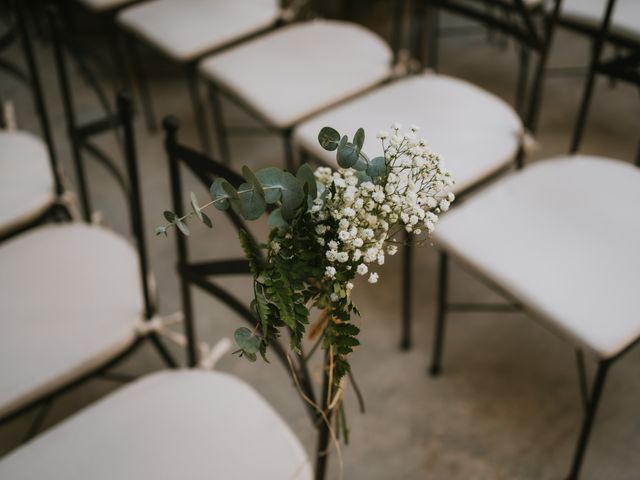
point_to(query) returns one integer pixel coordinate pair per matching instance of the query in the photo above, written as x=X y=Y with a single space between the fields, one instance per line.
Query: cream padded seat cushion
x=186 y=425
x=562 y=237
x=475 y=132
x=625 y=21
x=186 y=29
x=26 y=181
x=301 y=69
x=104 y=5
x=70 y=296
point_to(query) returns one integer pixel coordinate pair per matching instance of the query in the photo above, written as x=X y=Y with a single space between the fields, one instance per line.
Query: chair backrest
x=82 y=138
x=531 y=27
x=17 y=29
x=201 y=273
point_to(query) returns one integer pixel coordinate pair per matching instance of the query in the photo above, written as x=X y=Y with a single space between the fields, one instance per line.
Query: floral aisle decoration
x=328 y=228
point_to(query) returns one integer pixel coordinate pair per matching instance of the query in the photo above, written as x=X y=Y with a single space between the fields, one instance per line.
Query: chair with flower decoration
x=478 y=135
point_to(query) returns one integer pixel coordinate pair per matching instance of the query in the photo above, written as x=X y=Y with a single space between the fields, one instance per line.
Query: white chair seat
x=625 y=21
x=103 y=5
x=70 y=297
x=562 y=237
x=301 y=69
x=475 y=132
x=170 y=425
x=26 y=181
x=186 y=29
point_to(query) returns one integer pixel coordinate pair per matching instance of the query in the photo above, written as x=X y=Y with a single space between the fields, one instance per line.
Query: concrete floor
x=507 y=406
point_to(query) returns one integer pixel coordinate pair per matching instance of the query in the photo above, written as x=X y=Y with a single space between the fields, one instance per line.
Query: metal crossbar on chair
x=203 y=274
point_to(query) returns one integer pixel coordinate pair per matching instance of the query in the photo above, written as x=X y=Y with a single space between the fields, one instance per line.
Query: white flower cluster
x=357 y=217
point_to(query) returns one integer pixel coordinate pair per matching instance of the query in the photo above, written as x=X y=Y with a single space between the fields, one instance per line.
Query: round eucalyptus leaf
x=347 y=154
x=275 y=219
x=358 y=138
x=252 y=204
x=292 y=195
x=377 y=167
x=362 y=164
x=206 y=220
x=195 y=206
x=271 y=179
x=170 y=216
x=247 y=341
x=251 y=178
x=328 y=138
x=305 y=175
x=218 y=193
x=363 y=177
x=182 y=227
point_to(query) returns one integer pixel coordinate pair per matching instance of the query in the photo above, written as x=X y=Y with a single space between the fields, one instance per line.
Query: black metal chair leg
x=523 y=76
x=164 y=353
x=441 y=314
x=407 y=291
x=218 y=124
x=142 y=83
x=584 y=106
x=198 y=107
x=589 y=418
x=289 y=158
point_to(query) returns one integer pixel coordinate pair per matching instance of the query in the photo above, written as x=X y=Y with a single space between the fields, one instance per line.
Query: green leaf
x=328 y=138
x=247 y=341
x=252 y=204
x=206 y=220
x=347 y=153
x=252 y=357
x=252 y=252
x=305 y=175
x=271 y=179
x=170 y=216
x=377 y=167
x=292 y=195
x=358 y=138
x=232 y=195
x=275 y=219
x=363 y=177
x=195 y=206
x=251 y=178
x=362 y=164
x=218 y=192
x=182 y=227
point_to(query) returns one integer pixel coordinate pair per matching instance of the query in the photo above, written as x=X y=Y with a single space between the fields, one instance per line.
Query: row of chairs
x=77 y=299
x=508 y=129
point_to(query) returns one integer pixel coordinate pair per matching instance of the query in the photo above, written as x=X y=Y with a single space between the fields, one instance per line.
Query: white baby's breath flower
x=392 y=250
x=330 y=272
x=373 y=278
x=382 y=135
x=362 y=269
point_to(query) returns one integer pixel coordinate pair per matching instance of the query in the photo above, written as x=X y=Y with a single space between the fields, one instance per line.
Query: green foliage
x=289 y=279
x=329 y=138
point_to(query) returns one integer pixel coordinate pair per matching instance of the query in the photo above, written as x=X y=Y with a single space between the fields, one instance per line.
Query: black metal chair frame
x=81 y=138
x=266 y=128
x=625 y=67
x=18 y=31
x=590 y=397
x=203 y=274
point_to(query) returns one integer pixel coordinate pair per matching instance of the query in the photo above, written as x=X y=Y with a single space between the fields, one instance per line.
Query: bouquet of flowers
x=328 y=227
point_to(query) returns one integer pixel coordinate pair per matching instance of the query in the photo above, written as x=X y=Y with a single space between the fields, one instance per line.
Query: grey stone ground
x=507 y=406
